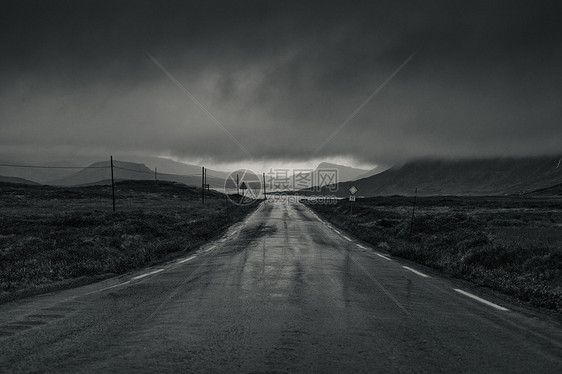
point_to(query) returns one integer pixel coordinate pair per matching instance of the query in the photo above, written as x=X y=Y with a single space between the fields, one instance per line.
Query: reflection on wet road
x=283 y=291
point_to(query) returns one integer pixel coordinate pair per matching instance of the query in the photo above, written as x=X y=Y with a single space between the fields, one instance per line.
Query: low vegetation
x=50 y=235
x=509 y=244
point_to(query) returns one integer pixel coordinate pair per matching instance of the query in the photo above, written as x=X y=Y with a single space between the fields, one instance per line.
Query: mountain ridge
x=345 y=173
x=461 y=177
x=4 y=179
x=100 y=173
x=43 y=174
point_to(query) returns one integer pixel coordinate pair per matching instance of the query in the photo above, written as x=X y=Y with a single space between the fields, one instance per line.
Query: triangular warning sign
x=243 y=186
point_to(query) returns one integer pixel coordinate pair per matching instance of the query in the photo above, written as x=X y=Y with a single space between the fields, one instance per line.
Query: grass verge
x=53 y=236
x=509 y=244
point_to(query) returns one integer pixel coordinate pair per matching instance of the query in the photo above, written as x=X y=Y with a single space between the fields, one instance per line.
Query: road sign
x=352 y=198
x=353 y=190
x=243 y=186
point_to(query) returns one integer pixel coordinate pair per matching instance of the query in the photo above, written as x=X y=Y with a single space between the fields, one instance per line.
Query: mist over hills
x=531 y=175
x=461 y=177
x=100 y=173
x=345 y=173
x=377 y=170
x=285 y=179
x=63 y=173
x=47 y=172
x=167 y=166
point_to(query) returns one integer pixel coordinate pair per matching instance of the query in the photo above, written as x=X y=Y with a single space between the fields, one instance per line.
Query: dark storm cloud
x=281 y=77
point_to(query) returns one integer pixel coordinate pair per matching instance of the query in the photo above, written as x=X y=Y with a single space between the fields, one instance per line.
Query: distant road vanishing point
x=281 y=292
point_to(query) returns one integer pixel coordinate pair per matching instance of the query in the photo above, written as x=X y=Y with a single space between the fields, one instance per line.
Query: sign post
x=243 y=187
x=352 y=190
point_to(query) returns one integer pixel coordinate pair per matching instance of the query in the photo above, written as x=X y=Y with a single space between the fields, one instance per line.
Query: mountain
x=45 y=172
x=345 y=173
x=325 y=173
x=167 y=166
x=100 y=173
x=555 y=190
x=460 y=177
x=4 y=179
x=67 y=173
x=377 y=170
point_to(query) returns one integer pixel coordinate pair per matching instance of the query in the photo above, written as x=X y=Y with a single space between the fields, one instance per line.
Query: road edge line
x=474 y=297
x=416 y=272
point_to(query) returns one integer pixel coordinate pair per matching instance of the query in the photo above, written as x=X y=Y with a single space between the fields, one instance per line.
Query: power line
x=180 y=175
x=137 y=171
x=189 y=175
x=56 y=167
x=100 y=167
x=159 y=173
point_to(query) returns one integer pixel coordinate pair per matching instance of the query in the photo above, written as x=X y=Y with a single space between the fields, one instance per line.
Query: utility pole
x=112 y=183
x=226 y=202
x=237 y=186
x=155 y=174
x=264 y=191
x=206 y=185
x=413 y=212
x=203 y=184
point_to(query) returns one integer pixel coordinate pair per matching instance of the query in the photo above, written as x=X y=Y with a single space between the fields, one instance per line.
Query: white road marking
x=361 y=246
x=110 y=287
x=346 y=238
x=147 y=274
x=386 y=258
x=186 y=259
x=210 y=249
x=416 y=272
x=339 y=233
x=383 y=288
x=117 y=285
x=314 y=214
x=481 y=300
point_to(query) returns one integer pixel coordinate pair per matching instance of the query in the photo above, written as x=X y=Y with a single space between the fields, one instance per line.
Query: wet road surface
x=281 y=292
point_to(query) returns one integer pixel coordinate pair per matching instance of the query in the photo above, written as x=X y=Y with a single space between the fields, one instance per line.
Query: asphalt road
x=281 y=292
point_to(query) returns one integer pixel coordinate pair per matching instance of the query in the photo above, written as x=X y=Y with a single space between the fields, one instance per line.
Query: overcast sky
x=281 y=77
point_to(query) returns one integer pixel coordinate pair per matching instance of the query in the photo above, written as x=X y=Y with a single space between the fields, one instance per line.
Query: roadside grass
x=509 y=244
x=50 y=235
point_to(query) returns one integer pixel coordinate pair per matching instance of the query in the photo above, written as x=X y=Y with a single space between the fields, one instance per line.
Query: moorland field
x=511 y=244
x=61 y=236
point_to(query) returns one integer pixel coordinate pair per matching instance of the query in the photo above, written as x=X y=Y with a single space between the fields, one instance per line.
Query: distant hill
x=555 y=190
x=461 y=177
x=324 y=173
x=345 y=173
x=100 y=173
x=4 y=179
x=56 y=172
x=377 y=170
x=42 y=175
x=165 y=165
x=193 y=180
